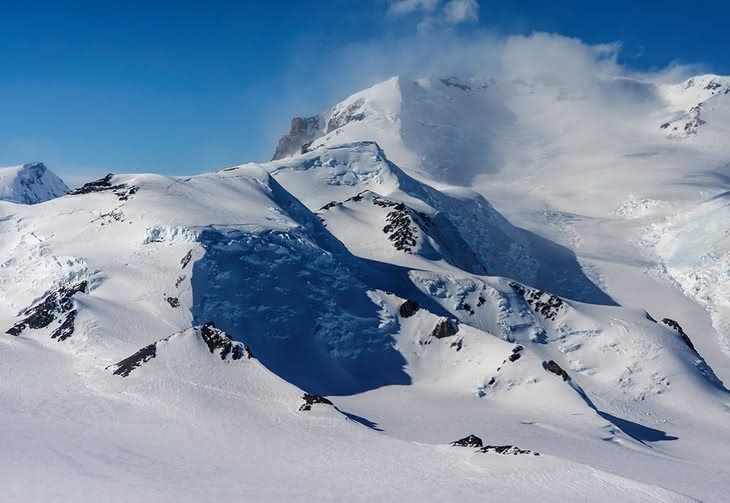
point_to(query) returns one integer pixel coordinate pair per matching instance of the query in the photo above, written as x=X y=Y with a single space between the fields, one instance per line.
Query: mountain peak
x=30 y=183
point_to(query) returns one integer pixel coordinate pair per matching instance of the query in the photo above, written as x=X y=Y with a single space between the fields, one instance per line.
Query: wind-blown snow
x=410 y=274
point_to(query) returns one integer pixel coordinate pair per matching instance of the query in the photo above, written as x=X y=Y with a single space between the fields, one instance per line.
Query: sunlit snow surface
x=559 y=253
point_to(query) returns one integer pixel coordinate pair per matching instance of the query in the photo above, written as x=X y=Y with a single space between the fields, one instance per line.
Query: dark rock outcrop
x=516 y=353
x=123 y=191
x=55 y=306
x=126 y=366
x=351 y=113
x=454 y=82
x=546 y=305
x=217 y=339
x=400 y=229
x=678 y=328
x=66 y=328
x=445 y=328
x=186 y=259
x=408 y=308
x=302 y=131
x=556 y=369
x=173 y=301
x=507 y=449
x=468 y=441
x=310 y=399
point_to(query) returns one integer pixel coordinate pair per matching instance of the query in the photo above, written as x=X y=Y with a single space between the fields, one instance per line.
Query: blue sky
x=183 y=87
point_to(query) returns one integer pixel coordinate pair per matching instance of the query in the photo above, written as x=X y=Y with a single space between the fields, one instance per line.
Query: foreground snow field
x=426 y=261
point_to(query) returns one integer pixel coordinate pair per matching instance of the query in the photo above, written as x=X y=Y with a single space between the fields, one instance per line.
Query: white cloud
x=411 y=6
x=461 y=11
x=436 y=13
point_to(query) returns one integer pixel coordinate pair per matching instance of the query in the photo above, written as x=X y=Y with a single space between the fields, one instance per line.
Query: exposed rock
x=454 y=82
x=468 y=441
x=217 y=339
x=403 y=222
x=465 y=306
x=458 y=344
x=55 y=306
x=399 y=229
x=123 y=191
x=186 y=259
x=350 y=113
x=695 y=120
x=126 y=366
x=66 y=328
x=408 y=308
x=115 y=215
x=547 y=305
x=556 y=369
x=507 y=449
x=302 y=131
x=173 y=301
x=310 y=399
x=516 y=353
x=445 y=328
x=677 y=328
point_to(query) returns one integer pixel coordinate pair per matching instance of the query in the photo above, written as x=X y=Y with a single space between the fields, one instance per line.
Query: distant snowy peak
x=692 y=101
x=30 y=183
x=426 y=126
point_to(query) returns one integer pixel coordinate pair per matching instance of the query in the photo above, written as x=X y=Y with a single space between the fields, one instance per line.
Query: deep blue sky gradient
x=184 y=87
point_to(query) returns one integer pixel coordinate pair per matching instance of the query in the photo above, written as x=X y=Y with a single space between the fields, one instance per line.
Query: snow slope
x=324 y=326
x=30 y=184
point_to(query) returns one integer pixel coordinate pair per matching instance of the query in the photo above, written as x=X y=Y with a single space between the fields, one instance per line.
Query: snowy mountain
x=30 y=184
x=432 y=292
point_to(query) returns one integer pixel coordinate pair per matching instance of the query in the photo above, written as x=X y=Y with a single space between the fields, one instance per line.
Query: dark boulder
x=408 y=308
x=516 y=353
x=556 y=369
x=310 y=399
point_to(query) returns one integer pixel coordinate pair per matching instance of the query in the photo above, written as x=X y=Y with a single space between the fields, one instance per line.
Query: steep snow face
x=329 y=179
x=30 y=184
x=438 y=128
x=358 y=183
x=242 y=321
x=694 y=251
x=108 y=295
x=695 y=103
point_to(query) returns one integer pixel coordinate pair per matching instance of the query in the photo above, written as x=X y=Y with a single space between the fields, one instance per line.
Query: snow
x=521 y=256
x=30 y=184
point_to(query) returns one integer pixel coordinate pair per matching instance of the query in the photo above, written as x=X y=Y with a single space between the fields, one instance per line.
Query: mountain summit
x=31 y=183
x=438 y=289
